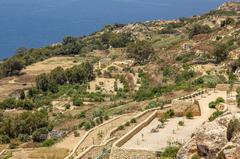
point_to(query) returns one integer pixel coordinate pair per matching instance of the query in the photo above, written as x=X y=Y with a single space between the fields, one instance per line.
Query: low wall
x=86 y=135
x=95 y=150
x=133 y=132
x=119 y=153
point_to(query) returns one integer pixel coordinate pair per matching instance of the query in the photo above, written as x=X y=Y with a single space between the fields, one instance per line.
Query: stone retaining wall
x=86 y=135
x=95 y=150
x=133 y=132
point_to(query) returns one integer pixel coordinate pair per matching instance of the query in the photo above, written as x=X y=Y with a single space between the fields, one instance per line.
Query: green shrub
x=133 y=120
x=77 y=102
x=212 y=104
x=170 y=152
x=189 y=115
x=48 y=142
x=181 y=123
x=87 y=126
x=140 y=51
x=82 y=115
x=76 y=134
x=23 y=137
x=199 y=29
x=67 y=106
x=215 y=115
x=40 y=135
x=170 y=113
x=4 y=139
x=220 y=100
x=106 y=117
x=121 y=127
x=127 y=123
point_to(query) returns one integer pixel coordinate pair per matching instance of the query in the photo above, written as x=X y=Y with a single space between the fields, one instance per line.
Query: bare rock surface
x=217 y=139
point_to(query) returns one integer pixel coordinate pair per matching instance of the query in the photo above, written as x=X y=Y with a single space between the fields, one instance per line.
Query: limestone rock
x=212 y=140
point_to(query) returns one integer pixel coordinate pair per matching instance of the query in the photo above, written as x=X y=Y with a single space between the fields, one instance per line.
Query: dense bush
x=40 y=135
x=213 y=104
x=4 y=139
x=227 y=21
x=185 y=75
x=11 y=67
x=170 y=152
x=58 y=75
x=25 y=123
x=199 y=29
x=48 y=142
x=215 y=115
x=116 y=40
x=221 y=52
x=141 y=51
x=12 y=103
x=189 y=115
x=77 y=101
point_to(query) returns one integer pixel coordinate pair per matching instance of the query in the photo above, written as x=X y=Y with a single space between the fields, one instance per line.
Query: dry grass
x=46 y=153
x=11 y=84
x=51 y=153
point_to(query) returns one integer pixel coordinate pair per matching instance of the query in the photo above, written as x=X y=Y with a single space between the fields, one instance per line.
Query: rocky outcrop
x=219 y=139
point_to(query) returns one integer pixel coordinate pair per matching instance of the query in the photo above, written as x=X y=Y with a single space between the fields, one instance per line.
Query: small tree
x=220 y=53
x=42 y=82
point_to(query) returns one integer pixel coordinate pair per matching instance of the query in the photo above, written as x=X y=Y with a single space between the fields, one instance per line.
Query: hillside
x=129 y=90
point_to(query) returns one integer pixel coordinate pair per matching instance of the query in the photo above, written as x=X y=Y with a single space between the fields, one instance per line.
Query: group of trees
x=58 y=76
x=23 y=126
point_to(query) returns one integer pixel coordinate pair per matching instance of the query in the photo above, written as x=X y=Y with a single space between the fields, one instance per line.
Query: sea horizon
x=38 y=24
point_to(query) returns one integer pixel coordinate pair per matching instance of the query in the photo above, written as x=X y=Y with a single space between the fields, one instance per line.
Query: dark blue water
x=34 y=23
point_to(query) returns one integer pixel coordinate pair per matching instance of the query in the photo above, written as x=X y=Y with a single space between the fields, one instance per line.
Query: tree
x=220 y=53
x=120 y=40
x=140 y=51
x=80 y=73
x=40 y=135
x=12 y=67
x=58 y=76
x=52 y=86
x=69 y=40
x=42 y=82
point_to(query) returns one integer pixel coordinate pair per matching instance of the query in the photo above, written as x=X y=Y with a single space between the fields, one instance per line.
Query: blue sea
x=35 y=23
